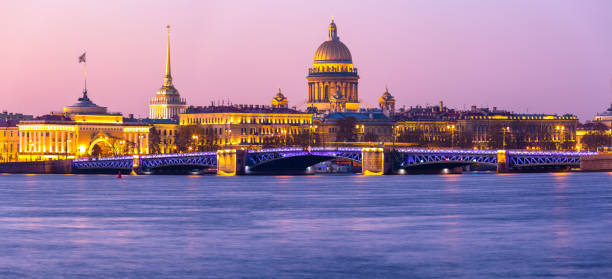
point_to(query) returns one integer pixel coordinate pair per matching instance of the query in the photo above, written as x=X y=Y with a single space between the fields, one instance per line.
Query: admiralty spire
x=167 y=103
x=332 y=80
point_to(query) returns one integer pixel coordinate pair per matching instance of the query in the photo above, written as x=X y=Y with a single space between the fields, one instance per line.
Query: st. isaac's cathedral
x=332 y=80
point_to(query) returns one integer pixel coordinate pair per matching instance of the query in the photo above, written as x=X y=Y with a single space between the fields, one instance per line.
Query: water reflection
x=424 y=226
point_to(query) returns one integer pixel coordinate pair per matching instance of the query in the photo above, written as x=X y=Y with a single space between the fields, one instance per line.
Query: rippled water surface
x=416 y=226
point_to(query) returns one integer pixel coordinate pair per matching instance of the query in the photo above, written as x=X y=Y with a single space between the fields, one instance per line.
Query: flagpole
x=85 y=74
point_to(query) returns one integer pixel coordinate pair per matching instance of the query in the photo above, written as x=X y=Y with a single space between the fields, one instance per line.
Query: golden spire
x=168 y=75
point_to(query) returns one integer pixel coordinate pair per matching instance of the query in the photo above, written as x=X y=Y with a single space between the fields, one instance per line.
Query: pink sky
x=545 y=56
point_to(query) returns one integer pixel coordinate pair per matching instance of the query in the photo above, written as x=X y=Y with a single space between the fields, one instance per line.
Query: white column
x=44 y=142
x=63 y=143
x=38 y=142
x=146 y=141
x=56 y=141
x=20 y=141
x=69 y=142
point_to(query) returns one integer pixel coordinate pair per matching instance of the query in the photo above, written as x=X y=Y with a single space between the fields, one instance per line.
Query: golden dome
x=386 y=97
x=333 y=50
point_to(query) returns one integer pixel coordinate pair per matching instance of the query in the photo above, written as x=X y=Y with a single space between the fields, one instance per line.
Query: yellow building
x=332 y=80
x=167 y=136
x=167 y=103
x=248 y=126
x=83 y=130
x=9 y=143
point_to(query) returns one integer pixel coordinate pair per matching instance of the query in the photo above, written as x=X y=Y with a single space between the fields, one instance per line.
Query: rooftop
x=242 y=109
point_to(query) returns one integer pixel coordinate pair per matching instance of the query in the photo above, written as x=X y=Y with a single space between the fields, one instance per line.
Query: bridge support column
x=503 y=162
x=372 y=161
x=136 y=165
x=231 y=162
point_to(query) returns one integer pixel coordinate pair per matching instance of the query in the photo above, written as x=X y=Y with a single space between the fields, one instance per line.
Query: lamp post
x=452 y=129
x=561 y=139
x=395 y=128
x=194 y=142
x=66 y=150
x=506 y=129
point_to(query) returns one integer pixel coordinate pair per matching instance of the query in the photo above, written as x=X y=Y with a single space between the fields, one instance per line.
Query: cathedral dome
x=333 y=50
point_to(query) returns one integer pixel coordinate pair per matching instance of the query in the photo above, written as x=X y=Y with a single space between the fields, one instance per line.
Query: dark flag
x=82 y=58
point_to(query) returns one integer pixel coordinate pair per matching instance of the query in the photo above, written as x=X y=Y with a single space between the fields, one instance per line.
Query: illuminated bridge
x=296 y=159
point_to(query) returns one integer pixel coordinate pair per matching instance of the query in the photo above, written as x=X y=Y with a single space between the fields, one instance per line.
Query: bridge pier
x=503 y=162
x=373 y=161
x=231 y=162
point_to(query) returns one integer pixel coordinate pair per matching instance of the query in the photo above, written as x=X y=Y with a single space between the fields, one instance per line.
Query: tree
x=593 y=140
x=154 y=141
x=463 y=139
x=346 y=132
x=415 y=136
x=370 y=137
x=195 y=138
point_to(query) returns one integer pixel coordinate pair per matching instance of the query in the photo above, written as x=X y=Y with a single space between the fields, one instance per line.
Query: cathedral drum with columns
x=332 y=81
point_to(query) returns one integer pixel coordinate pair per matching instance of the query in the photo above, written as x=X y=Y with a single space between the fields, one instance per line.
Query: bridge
x=375 y=160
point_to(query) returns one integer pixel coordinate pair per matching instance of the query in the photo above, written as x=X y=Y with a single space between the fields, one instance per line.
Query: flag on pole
x=82 y=58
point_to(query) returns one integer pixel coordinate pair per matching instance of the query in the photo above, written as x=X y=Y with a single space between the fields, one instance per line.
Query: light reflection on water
x=424 y=226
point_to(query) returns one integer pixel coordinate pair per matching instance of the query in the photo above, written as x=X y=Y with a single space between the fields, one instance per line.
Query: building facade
x=482 y=128
x=246 y=126
x=82 y=130
x=333 y=80
x=167 y=103
x=9 y=141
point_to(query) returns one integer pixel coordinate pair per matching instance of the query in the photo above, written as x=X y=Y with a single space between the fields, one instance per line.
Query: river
x=474 y=225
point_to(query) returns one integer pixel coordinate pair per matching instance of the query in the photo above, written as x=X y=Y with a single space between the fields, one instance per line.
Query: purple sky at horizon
x=546 y=56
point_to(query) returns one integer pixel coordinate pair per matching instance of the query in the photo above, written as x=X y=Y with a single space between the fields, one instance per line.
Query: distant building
x=84 y=129
x=483 y=128
x=9 y=141
x=8 y=117
x=280 y=101
x=166 y=130
x=332 y=80
x=247 y=125
x=386 y=103
x=366 y=126
x=167 y=103
x=605 y=117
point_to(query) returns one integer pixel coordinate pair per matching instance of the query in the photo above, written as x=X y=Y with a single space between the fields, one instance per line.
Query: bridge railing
x=447 y=151
x=103 y=159
x=170 y=155
x=549 y=153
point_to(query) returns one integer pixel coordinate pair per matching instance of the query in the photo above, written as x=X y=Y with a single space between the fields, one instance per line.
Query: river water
x=474 y=225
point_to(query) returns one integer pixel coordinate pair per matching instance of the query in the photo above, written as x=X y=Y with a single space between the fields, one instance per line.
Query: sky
x=545 y=56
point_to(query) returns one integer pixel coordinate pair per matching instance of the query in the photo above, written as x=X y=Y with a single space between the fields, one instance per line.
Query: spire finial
x=386 y=88
x=168 y=75
x=279 y=90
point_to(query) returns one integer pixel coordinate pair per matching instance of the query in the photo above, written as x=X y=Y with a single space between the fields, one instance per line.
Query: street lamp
x=506 y=129
x=560 y=130
x=395 y=128
x=452 y=129
x=194 y=142
x=67 y=144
